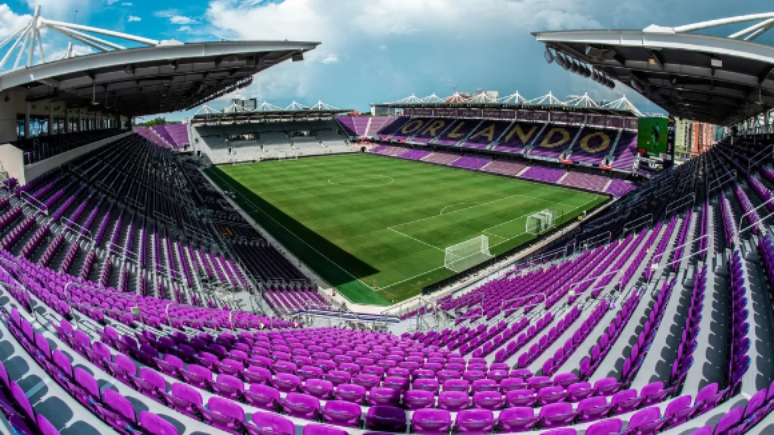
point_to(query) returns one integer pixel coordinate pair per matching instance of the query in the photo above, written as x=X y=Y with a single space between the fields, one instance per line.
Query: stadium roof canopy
x=151 y=78
x=720 y=80
x=573 y=103
x=265 y=117
x=265 y=112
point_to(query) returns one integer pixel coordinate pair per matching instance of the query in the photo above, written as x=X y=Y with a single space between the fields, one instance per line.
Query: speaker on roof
x=298 y=57
x=561 y=60
x=549 y=56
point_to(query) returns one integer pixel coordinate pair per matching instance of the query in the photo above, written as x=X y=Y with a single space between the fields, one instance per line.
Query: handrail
x=760 y=219
x=83 y=231
x=419 y=301
x=671 y=208
x=339 y=314
x=675 y=248
x=34 y=203
x=706 y=248
x=587 y=242
x=764 y=153
x=722 y=181
x=627 y=227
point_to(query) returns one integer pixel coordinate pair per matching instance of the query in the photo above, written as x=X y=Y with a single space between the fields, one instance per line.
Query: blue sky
x=383 y=50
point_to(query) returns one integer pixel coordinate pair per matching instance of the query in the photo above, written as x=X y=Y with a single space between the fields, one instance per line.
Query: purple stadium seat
x=342 y=413
x=351 y=393
x=301 y=406
x=475 y=421
x=184 y=399
x=263 y=397
x=491 y=400
x=645 y=422
x=224 y=414
x=418 y=399
x=453 y=401
x=270 y=424
x=386 y=418
x=383 y=396
x=287 y=383
x=118 y=412
x=315 y=429
x=431 y=422
x=519 y=419
x=605 y=427
x=521 y=397
x=556 y=415
x=593 y=408
x=45 y=427
x=155 y=425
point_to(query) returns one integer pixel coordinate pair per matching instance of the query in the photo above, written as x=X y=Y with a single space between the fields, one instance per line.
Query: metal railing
x=681 y=202
x=766 y=153
x=721 y=182
x=34 y=203
x=592 y=242
x=640 y=222
x=679 y=260
x=741 y=230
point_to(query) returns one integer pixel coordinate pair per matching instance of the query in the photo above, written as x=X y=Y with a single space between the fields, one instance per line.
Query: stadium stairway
x=613 y=361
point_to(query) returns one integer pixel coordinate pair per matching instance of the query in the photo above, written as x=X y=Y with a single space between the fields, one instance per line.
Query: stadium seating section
x=511 y=168
x=581 y=145
x=172 y=136
x=652 y=317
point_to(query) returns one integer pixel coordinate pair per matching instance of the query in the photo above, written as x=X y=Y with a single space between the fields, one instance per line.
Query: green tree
x=157 y=121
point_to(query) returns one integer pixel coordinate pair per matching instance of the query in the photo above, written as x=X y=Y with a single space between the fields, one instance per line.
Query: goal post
x=467 y=254
x=541 y=222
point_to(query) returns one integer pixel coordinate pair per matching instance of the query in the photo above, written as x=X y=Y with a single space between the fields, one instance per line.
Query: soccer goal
x=541 y=222
x=467 y=254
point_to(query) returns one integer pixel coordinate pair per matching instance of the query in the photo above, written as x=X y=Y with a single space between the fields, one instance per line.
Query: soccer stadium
x=469 y=264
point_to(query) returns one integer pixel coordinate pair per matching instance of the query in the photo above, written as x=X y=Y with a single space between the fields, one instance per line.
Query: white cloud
x=127 y=4
x=10 y=21
x=133 y=18
x=330 y=58
x=110 y=2
x=184 y=29
x=166 y=13
x=65 y=9
x=180 y=19
x=421 y=28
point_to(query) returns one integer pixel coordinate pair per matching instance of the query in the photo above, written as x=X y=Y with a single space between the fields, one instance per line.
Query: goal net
x=467 y=254
x=541 y=222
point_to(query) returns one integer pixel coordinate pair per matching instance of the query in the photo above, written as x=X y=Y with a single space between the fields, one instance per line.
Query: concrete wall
x=12 y=160
x=39 y=168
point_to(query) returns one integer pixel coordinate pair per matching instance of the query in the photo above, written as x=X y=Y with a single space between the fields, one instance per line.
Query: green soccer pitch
x=376 y=228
